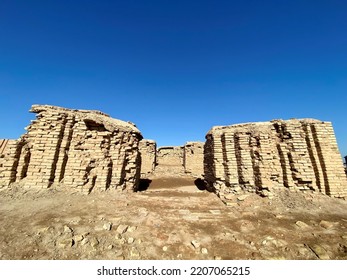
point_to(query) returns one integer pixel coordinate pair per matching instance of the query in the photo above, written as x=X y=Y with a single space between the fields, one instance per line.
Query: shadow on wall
x=144 y=185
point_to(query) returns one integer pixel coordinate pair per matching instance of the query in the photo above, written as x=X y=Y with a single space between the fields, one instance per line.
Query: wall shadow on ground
x=144 y=185
x=200 y=184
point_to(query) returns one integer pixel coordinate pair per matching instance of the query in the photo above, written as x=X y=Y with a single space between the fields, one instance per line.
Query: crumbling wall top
x=93 y=116
x=257 y=126
x=170 y=148
x=192 y=143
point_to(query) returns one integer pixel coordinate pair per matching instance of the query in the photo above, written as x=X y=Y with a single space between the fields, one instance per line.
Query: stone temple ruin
x=90 y=151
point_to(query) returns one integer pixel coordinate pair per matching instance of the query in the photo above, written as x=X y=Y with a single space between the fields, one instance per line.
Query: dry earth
x=172 y=219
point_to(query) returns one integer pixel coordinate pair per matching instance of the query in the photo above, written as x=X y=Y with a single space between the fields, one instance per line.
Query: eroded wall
x=148 y=153
x=193 y=158
x=9 y=159
x=170 y=156
x=169 y=161
x=296 y=154
x=87 y=150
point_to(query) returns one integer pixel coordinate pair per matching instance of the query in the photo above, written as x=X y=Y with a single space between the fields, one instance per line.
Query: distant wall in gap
x=193 y=159
x=148 y=153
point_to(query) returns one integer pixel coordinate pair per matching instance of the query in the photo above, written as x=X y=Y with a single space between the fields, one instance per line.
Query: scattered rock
x=122 y=229
x=344 y=236
x=326 y=224
x=268 y=194
x=165 y=248
x=65 y=243
x=131 y=240
x=304 y=251
x=110 y=247
x=196 y=244
x=343 y=248
x=118 y=236
x=107 y=226
x=218 y=258
x=204 y=251
x=78 y=238
x=301 y=224
x=229 y=196
x=85 y=241
x=132 y=229
x=94 y=242
x=119 y=255
x=242 y=197
x=121 y=241
x=267 y=240
x=134 y=252
x=67 y=229
x=319 y=252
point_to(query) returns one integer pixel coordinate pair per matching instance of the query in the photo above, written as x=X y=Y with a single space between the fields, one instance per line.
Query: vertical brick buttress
x=87 y=150
x=295 y=154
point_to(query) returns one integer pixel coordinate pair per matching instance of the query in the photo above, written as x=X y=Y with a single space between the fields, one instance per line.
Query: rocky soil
x=170 y=219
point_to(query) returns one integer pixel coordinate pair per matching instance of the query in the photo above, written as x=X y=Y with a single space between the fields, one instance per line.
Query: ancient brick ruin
x=172 y=160
x=86 y=150
x=193 y=158
x=148 y=153
x=296 y=154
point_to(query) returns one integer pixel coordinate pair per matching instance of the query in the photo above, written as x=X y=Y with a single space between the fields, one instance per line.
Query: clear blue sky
x=175 y=68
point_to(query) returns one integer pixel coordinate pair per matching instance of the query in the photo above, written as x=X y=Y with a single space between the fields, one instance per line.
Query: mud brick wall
x=295 y=154
x=169 y=161
x=86 y=150
x=170 y=156
x=193 y=159
x=9 y=160
x=148 y=152
x=3 y=145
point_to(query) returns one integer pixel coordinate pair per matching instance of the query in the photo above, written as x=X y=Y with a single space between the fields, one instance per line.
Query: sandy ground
x=171 y=219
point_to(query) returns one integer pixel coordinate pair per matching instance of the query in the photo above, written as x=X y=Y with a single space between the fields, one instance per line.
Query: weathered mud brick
x=297 y=154
x=73 y=147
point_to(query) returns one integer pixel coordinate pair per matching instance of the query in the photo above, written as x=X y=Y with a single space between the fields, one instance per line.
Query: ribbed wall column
x=295 y=154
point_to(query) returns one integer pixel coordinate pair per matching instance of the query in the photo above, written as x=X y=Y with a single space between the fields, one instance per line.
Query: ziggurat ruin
x=90 y=151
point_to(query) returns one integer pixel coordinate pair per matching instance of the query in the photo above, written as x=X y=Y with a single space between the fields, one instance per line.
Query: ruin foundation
x=259 y=157
x=86 y=150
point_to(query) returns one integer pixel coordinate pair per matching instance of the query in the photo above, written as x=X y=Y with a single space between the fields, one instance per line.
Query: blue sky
x=175 y=68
